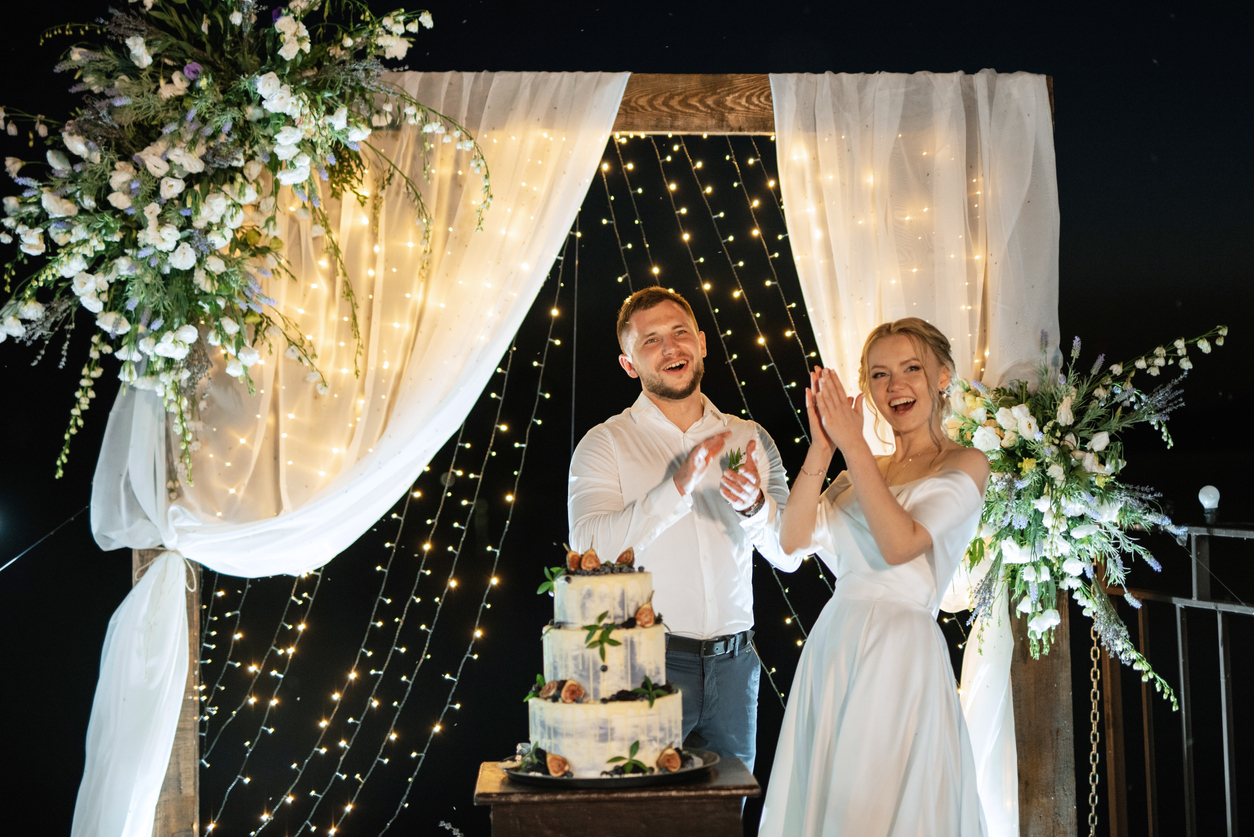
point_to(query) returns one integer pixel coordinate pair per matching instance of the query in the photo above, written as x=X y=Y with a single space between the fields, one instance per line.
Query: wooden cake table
x=705 y=807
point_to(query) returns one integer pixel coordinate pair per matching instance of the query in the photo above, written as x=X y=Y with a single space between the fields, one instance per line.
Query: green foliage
x=651 y=691
x=599 y=634
x=630 y=764
x=551 y=574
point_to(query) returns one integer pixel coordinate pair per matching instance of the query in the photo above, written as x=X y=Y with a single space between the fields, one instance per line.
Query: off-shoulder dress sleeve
x=948 y=506
x=828 y=515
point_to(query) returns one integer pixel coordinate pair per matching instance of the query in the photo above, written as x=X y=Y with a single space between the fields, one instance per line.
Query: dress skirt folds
x=873 y=741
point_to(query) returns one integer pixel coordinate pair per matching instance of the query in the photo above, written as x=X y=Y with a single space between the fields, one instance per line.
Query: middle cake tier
x=641 y=653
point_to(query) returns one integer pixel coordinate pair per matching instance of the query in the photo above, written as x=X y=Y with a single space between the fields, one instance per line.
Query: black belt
x=715 y=647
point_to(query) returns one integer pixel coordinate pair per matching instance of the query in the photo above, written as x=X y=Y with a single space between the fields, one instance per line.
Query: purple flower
x=130 y=305
x=354 y=146
x=192 y=70
x=130 y=210
x=156 y=324
x=147 y=251
x=316 y=201
x=154 y=261
x=276 y=14
x=185 y=211
x=330 y=159
x=267 y=300
x=168 y=129
x=226 y=129
x=1075 y=346
x=1097 y=364
x=191 y=114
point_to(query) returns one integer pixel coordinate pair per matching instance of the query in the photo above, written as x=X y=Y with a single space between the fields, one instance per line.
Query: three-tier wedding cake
x=603 y=706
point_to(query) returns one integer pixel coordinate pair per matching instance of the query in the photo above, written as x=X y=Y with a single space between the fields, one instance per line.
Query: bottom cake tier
x=588 y=735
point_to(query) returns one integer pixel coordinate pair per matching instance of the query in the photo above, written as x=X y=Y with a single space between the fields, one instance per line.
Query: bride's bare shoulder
x=970 y=461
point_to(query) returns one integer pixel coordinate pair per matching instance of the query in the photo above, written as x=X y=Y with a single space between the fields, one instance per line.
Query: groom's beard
x=653 y=383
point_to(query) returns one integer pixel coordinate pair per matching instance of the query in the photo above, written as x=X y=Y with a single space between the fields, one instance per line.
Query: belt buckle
x=718 y=648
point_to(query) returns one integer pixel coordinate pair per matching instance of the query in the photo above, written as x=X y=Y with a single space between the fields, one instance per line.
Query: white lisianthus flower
x=169 y=238
x=176 y=86
x=1013 y=553
x=153 y=160
x=170 y=347
x=58 y=161
x=214 y=264
x=290 y=48
x=201 y=280
x=292 y=353
x=281 y=101
x=1007 y=419
x=139 y=51
x=339 y=119
x=91 y=302
x=30 y=310
x=1057 y=474
x=216 y=239
x=1025 y=605
x=1011 y=439
x=187 y=158
x=289 y=135
x=1065 y=416
x=58 y=207
x=32 y=242
x=183 y=257
x=147 y=345
x=83 y=283
x=248 y=356
x=357 y=133
x=1028 y=572
x=229 y=325
x=986 y=439
x=234 y=368
x=78 y=146
x=113 y=323
x=286 y=152
x=1073 y=566
x=1085 y=530
x=1042 y=622
x=72 y=265
x=151 y=211
x=12 y=326
x=979 y=415
x=1099 y=441
x=237 y=18
x=213 y=339
x=11 y=205
x=59 y=235
x=123 y=174
x=170 y=187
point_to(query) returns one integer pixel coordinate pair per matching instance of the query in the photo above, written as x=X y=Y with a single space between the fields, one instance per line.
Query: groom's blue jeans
x=720 y=698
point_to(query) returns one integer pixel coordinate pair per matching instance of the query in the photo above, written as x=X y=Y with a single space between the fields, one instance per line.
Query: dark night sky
x=1153 y=127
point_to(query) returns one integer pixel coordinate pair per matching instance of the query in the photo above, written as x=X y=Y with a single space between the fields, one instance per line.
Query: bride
x=873 y=741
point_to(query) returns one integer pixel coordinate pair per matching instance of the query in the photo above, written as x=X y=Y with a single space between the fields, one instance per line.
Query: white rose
x=986 y=439
x=289 y=135
x=1007 y=419
x=268 y=85
x=183 y=257
x=83 y=283
x=290 y=177
x=280 y=101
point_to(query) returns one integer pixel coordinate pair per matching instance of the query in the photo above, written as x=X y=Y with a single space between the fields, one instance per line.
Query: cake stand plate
x=635 y=780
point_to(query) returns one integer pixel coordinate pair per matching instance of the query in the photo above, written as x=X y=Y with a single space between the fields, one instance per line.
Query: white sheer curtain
x=934 y=196
x=286 y=479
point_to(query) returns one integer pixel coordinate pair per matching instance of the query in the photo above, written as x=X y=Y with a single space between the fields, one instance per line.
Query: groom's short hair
x=643 y=300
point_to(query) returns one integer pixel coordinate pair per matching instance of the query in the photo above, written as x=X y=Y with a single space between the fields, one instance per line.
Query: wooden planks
x=662 y=103
x=178 y=813
x=1044 y=734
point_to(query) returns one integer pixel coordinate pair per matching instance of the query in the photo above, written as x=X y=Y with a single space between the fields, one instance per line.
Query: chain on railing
x=1095 y=674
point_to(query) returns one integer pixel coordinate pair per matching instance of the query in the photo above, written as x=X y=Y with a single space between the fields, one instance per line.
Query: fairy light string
x=631 y=193
x=209 y=698
x=612 y=221
x=470 y=654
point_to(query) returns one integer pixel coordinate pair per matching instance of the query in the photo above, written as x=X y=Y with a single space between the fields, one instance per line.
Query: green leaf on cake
x=552 y=574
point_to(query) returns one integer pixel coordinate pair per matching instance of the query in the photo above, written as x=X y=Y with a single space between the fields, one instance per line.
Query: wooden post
x=178 y=814
x=1044 y=735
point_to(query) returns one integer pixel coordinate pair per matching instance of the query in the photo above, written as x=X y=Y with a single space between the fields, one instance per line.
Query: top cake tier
x=579 y=600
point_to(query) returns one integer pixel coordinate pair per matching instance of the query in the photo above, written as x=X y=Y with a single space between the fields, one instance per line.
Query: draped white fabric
x=935 y=196
x=286 y=479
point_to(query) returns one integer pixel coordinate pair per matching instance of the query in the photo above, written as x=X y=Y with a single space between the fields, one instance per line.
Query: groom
x=647 y=478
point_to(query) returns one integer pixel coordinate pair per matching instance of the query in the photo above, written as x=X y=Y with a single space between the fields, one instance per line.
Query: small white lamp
x=1209 y=498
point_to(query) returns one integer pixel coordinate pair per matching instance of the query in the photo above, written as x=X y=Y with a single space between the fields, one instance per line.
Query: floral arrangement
x=155 y=206
x=1056 y=516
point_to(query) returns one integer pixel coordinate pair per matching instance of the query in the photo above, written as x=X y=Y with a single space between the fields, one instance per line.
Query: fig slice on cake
x=668 y=761
x=572 y=692
x=627 y=557
x=645 y=617
x=557 y=765
x=573 y=559
x=590 y=561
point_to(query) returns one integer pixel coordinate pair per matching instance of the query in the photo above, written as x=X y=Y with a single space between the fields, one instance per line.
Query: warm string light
x=631 y=193
x=209 y=699
x=613 y=222
x=534 y=421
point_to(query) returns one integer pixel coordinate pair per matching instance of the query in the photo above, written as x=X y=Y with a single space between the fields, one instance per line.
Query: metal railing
x=1187 y=610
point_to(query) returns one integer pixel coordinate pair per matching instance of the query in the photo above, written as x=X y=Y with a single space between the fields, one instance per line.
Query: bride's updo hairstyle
x=927 y=339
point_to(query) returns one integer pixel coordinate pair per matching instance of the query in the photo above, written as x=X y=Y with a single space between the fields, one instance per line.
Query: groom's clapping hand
x=743 y=487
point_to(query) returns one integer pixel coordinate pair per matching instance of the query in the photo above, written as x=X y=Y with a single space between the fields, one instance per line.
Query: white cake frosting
x=579 y=600
x=589 y=735
x=640 y=654
x=590 y=732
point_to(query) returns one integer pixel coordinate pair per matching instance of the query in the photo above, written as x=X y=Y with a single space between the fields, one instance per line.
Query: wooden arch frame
x=735 y=103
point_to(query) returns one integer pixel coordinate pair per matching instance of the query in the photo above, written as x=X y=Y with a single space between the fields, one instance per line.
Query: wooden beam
x=178 y=811
x=734 y=103
x=1044 y=734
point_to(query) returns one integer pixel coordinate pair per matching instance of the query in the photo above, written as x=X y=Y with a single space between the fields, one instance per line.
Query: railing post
x=1147 y=728
x=1226 y=713
x=1186 y=722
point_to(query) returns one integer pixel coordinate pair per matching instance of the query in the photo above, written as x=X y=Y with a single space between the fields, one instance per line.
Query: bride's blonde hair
x=927 y=339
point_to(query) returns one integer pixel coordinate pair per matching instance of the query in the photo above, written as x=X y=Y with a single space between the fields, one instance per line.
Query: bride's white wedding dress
x=873 y=741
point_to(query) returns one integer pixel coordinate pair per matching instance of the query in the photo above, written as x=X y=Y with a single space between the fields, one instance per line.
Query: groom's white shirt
x=698 y=548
